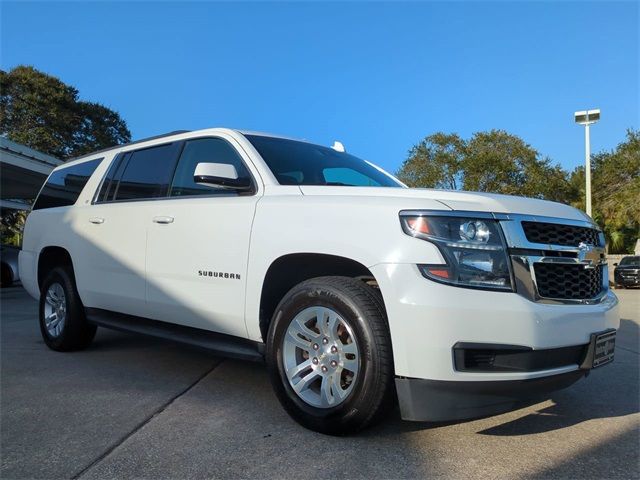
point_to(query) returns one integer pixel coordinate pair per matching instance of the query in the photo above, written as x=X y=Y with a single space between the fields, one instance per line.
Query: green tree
x=493 y=161
x=42 y=112
x=499 y=162
x=11 y=226
x=616 y=193
x=435 y=162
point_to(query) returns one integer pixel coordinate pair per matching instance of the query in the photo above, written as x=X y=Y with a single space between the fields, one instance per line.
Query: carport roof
x=23 y=171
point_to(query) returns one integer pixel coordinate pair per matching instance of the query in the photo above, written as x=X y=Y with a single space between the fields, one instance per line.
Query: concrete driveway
x=131 y=406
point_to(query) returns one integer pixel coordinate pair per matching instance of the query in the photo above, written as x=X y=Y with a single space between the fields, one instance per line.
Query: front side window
x=147 y=173
x=64 y=186
x=204 y=150
x=299 y=163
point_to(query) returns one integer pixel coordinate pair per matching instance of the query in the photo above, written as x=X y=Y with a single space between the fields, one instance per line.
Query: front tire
x=63 y=324
x=329 y=355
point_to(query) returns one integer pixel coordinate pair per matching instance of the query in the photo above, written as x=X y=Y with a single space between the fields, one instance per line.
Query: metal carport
x=22 y=173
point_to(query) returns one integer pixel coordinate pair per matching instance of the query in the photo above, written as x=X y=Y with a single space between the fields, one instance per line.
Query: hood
x=457 y=200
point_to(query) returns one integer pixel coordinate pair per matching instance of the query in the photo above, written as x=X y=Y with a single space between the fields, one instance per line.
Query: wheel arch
x=51 y=257
x=6 y=267
x=289 y=270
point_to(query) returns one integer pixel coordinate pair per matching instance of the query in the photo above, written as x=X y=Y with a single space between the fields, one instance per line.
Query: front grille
x=628 y=274
x=557 y=234
x=568 y=281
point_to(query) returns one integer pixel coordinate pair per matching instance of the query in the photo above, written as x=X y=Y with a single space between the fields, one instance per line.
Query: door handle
x=96 y=220
x=163 y=219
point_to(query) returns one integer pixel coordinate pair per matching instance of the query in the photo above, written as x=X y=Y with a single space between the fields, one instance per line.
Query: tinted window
x=109 y=182
x=630 y=261
x=204 y=150
x=347 y=176
x=63 y=186
x=300 y=163
x=147 y=173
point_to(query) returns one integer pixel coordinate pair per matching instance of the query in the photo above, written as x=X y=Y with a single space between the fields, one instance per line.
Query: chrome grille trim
x=589 y=256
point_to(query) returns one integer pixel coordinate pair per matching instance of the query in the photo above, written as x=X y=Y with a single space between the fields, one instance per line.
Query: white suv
x=355 y=289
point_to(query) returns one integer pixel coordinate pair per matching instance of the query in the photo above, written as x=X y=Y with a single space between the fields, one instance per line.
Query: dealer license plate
x=604 y=347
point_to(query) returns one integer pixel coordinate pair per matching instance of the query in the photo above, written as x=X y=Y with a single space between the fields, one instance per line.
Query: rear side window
x=63 y=186
x=147 y=173
x=204 y=150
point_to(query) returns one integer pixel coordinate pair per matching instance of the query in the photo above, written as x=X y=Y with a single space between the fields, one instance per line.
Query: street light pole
x=587 y=118
x=587 y=162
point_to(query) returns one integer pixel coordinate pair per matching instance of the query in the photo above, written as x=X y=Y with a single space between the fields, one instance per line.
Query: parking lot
x=131 y=406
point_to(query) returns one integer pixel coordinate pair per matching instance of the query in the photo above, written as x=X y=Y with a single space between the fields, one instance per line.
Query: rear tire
x=63 y=324
x=329 y=340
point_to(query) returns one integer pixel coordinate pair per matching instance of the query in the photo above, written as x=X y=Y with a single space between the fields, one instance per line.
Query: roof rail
x=155 y=137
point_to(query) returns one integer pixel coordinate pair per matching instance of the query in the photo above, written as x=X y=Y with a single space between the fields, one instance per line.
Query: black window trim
x=116 y=161
x=121 y=160
x=123 y=157
x=249 y=193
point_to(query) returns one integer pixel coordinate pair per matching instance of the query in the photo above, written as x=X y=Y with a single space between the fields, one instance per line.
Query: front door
x=198 y=245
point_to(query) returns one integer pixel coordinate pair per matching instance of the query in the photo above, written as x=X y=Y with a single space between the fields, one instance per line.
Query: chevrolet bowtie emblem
x=589 y=255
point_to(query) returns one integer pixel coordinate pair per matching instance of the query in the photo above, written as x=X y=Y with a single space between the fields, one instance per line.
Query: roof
x=12 y=147
x=178 y=132
x=120 y=145
x=273 y=135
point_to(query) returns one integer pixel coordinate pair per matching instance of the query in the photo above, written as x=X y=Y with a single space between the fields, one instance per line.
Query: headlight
x=473 y=248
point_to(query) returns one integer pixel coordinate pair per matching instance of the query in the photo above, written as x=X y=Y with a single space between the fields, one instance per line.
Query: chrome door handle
x=96 y=220
x=163 y=219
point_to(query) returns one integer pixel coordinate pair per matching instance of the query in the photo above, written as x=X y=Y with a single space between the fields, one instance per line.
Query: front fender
x=366 y=231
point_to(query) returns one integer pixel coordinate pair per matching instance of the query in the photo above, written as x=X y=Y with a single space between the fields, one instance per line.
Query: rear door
x=113 y=230
x=198 y=243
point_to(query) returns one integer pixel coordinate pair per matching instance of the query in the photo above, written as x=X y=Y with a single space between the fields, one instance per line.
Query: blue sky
x=377 y=76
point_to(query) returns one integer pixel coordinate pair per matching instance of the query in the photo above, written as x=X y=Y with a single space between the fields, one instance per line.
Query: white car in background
x=356 y=290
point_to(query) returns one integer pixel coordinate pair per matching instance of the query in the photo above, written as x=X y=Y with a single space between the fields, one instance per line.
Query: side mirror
x=615 y=264
x=220 y=175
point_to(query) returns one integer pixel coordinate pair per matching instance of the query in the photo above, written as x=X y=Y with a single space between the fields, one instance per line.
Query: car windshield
x=630 y=261
x=299 y=163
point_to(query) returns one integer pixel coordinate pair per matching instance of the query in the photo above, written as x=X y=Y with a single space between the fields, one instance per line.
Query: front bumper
x=427 y=320
x=627 y=281
x=437 y=401
x=433 y=400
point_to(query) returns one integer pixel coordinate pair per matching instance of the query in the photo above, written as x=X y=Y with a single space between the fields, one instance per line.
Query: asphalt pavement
x=135 y=407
